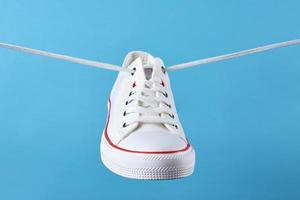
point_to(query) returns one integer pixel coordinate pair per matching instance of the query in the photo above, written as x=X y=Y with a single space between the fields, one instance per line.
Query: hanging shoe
x=143 y=137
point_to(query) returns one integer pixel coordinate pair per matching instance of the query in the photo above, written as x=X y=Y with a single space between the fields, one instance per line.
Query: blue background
x=242 y=115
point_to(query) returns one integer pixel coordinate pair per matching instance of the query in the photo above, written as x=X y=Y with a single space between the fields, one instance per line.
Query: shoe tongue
x=143 y=62
x=148 y=72
x=148 y=64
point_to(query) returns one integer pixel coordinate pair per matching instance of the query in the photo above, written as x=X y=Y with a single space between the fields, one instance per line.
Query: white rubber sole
x=147 y=166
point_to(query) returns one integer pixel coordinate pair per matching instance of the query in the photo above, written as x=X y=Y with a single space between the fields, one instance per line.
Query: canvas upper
x=142 y=112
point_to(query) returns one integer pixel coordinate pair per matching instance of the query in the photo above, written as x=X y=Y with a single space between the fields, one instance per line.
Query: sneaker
x=143 y=137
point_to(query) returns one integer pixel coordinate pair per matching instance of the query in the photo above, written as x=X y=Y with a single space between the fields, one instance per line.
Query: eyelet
x=165 y=94
x=133 y=84
x=175 y=126
x=130 y=93
x=124 y=114
x=126 y=103
x=163 y=69
x=172 y=116
x=134 y=69
x=124 y=125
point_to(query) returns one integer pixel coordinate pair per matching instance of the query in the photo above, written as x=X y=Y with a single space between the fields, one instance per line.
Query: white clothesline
x=171 y=68
x=233 y=55
x=64 y=57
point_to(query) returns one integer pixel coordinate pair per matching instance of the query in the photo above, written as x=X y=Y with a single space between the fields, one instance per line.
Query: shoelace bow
x=171 y=68
x=148 y=104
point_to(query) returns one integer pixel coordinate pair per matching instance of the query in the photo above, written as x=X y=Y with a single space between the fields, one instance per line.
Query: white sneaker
x=143 y=137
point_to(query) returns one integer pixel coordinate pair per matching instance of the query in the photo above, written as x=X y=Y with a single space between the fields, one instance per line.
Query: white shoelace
x=171 y=68
x=148 y=104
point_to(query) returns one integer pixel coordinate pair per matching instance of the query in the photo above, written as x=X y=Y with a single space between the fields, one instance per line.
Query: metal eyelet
x=163 y=69
x=124 y=114
x=126 y=103
x=172 y=116
x=165 y=94
x=175 y=126
x=130 y=93
x=133 y=84
x=134 y=69
x=124 y=125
